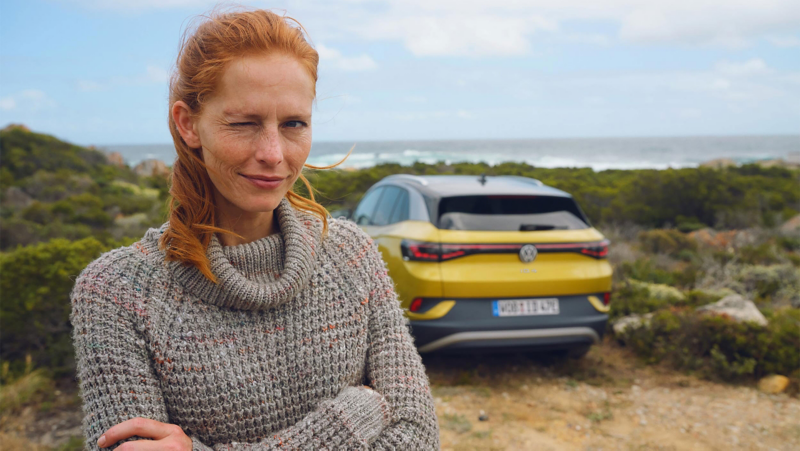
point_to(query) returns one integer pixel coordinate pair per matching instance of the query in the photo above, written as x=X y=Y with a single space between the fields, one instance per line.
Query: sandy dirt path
x=606 y=401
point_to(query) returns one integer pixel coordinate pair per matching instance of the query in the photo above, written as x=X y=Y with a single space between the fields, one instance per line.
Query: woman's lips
x=272 y=183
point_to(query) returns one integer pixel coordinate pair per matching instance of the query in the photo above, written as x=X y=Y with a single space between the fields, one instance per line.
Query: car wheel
x=578 y=352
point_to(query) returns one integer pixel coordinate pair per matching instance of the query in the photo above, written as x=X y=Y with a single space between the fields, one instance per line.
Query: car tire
x=578 y=352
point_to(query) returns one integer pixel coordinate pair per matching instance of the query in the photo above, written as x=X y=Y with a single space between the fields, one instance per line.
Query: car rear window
x=510 y=213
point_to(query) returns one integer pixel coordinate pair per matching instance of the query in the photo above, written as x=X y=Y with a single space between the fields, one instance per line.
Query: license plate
x=525 y=307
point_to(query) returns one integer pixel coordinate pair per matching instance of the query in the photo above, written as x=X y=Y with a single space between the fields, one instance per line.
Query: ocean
x=597 y=153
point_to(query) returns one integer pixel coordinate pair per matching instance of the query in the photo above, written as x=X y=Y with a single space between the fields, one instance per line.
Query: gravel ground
x=607 y=401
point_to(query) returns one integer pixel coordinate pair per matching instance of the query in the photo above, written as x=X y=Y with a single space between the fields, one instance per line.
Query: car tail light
x=415 y=304
x=438 y=252
x=420 y=251
x=596 y=250
x=606 y=298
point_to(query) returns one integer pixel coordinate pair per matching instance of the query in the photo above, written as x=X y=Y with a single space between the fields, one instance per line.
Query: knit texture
x=274 y=356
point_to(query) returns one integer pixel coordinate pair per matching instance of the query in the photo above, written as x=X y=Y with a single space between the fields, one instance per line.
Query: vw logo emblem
x=528 y=253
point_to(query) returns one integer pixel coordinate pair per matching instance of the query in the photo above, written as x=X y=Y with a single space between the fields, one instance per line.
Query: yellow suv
x=490 y=263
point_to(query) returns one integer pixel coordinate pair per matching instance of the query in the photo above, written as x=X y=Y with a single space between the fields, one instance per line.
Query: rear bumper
x=471 y=326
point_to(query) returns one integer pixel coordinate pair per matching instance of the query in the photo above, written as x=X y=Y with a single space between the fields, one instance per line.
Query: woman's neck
x=251 y=226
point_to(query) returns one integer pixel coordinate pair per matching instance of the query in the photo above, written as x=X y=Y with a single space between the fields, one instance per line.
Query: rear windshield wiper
x=534 y=227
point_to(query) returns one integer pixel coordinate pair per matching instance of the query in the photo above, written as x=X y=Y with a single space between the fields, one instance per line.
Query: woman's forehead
x=251 y=81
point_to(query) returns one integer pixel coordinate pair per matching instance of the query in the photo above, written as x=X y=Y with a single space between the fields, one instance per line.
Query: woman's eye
x=295 y=124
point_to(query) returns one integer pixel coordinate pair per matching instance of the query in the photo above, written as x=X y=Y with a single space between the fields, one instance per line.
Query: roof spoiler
x=409 y=177
x=526 y=180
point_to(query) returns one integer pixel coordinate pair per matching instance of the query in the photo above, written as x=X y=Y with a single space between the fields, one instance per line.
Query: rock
x=634 y=321
x=718 y=163
x=483 y=416
x=16 y=198
x=737 y=308
x=115 y=158
x=724 y=239
x=773 y=384
x=148 y=168
x=791 y=225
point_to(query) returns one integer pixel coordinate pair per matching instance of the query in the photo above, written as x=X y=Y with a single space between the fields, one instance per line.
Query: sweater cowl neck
x=259 y=275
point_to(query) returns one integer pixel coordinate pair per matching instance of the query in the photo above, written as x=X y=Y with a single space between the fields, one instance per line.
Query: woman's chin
x=261 y=205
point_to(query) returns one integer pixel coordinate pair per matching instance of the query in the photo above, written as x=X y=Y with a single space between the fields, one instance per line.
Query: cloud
x=459 y=34
x=333 y=58
x=90 y=86
x=755 y=66
x=415 y=99
x=155 y=74
x=507 y=27
x=8 y=103
x=588 y=38
x=785 y=41
x=140 y=5
x=31 y=100
x=152 y=75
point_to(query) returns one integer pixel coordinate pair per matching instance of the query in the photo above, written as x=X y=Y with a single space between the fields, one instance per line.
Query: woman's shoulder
x=347 y=233
x=119 y=270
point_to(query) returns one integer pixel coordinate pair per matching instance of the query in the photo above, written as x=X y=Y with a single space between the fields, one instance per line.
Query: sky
x=96 y=71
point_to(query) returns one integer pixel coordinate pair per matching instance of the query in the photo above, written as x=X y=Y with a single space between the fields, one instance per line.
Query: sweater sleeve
x=117 y=381
x=394 y=366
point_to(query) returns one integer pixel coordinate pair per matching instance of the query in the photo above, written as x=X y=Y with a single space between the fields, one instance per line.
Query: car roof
x=438 y=186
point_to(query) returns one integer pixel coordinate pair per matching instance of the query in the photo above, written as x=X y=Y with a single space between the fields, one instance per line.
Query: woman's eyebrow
x=296 y=117
x=239 y=113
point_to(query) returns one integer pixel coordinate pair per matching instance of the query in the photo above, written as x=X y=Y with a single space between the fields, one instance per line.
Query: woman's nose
x=270 y=147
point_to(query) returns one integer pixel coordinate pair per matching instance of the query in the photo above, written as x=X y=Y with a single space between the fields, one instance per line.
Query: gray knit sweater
x=275 y=356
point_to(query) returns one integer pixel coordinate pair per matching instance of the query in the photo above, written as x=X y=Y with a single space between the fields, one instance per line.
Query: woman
x=264 y=336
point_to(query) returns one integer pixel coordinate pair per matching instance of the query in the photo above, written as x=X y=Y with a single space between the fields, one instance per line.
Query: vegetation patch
x=718 y=347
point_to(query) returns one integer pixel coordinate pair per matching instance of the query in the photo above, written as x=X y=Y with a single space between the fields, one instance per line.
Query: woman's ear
x=185 y=123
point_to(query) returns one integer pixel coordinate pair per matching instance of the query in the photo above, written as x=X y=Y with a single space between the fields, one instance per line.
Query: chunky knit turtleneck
x=238 y=268
x=273 y=356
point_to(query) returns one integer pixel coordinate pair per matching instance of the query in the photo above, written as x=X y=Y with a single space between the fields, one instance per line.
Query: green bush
x=646 y=270
x=770 y=283
x=761 y=254
x=719 y=347
x=665 y=241
x=34 y=315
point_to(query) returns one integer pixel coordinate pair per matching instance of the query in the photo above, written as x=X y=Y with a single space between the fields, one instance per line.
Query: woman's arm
x=394 y=366
x=118 y=382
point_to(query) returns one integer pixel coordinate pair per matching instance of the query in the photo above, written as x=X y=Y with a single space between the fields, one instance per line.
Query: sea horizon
x=597 y=153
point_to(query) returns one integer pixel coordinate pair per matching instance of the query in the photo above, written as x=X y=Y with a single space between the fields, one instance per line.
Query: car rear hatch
x=501 y=246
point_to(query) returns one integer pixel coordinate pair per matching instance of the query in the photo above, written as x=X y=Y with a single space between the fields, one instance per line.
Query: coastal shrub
x=770 y=283
x=646 y=270
x=762 y=254
x=631 y=298
x=34 y=316
x=696 y=298
x=665 y=241
x=718 y=347
x=687 y=225
x=634 y=297
x=665 y=272
x=789 y=243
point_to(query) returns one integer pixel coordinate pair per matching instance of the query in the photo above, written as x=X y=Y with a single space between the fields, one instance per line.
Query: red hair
x=202 y=58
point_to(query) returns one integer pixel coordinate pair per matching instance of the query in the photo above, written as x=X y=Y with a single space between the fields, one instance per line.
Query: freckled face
x=255 y=131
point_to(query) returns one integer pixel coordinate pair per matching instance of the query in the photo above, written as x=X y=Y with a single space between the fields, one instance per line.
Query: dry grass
x=23 y=390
